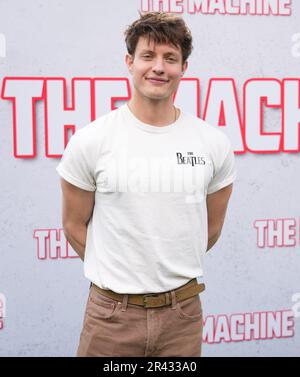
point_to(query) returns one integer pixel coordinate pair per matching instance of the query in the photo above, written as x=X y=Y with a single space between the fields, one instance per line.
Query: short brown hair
x=161 y=27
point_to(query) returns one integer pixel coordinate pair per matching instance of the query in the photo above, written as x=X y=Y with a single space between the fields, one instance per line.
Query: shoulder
x=101 y=124
x=98 y=129
x=213 y=136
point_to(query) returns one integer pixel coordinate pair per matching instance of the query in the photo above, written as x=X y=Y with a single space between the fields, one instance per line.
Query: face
x=156 y=69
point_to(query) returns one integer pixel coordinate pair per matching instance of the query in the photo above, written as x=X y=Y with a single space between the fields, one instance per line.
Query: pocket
x=100 y=306
x=190 y=309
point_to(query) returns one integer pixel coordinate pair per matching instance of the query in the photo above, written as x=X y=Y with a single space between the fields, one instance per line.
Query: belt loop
x=173 y=300
x=167 y=298
x=124 y=302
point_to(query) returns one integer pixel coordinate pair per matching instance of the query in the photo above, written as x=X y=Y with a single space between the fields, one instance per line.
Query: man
x=145 y=191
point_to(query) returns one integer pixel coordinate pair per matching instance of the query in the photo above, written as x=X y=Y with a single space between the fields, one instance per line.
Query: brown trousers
x=114 y=329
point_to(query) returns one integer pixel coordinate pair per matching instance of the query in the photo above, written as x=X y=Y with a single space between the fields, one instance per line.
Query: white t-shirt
x=148 y=230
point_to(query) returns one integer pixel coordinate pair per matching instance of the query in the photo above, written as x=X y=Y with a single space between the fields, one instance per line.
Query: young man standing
x=145 y=192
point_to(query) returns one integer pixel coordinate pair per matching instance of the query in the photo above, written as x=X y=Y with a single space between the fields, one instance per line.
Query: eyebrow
x=167 y=53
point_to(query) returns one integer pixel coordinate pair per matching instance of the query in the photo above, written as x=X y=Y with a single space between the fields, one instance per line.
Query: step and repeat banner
x=62 y=64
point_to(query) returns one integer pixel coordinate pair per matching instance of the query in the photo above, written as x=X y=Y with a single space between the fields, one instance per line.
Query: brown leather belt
x=155 y=300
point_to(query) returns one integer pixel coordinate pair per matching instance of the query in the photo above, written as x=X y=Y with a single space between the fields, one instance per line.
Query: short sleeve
x=75 y=165
x=225 y=172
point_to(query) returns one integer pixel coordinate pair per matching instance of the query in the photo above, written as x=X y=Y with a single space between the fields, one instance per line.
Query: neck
x=154 y=112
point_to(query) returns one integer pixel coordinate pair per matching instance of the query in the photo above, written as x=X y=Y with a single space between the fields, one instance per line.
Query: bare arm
x=216 y=211
x=77 y=209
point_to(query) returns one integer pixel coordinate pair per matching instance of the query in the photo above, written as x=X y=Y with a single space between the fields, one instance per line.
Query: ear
x=184 y=68
x=129 y=62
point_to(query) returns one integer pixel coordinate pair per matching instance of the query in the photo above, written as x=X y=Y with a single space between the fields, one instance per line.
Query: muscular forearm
x=76 y=236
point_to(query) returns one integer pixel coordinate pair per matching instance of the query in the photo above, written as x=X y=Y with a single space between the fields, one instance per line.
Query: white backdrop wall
x=251 y=302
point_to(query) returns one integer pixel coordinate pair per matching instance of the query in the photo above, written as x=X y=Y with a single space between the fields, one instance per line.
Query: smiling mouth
x=157 y=81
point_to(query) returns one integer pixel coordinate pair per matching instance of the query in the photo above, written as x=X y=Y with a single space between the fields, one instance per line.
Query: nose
x=158 y=66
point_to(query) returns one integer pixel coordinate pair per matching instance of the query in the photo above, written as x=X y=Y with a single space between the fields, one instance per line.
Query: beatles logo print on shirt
x=190 y=159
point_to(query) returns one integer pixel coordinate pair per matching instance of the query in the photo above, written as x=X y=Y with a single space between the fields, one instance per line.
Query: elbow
x=216 y=236
x=218 y=233
x=66 y=229
x=214 y=232
x=71 y=227
x=66 y=225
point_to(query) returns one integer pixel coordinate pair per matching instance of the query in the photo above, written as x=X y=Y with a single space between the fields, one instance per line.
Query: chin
x=157 y=95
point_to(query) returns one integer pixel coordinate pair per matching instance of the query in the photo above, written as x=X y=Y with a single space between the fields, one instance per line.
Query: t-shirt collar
x=149 y=127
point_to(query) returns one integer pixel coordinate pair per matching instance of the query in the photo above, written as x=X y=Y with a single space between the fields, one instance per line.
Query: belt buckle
x=151 y=295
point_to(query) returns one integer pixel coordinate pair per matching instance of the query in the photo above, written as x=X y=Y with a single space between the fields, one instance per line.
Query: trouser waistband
x=154 y=300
